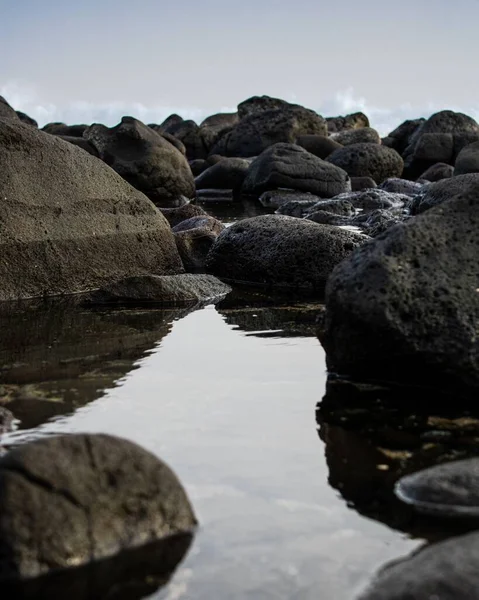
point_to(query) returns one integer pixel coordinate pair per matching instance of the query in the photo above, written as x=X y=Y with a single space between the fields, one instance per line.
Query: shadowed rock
x=437 y=193
x=319 y=145
x=363 y=135
x=437 y=172
x=368 y=160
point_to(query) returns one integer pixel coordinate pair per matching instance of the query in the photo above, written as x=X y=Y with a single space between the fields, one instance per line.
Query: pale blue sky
x=96 y=60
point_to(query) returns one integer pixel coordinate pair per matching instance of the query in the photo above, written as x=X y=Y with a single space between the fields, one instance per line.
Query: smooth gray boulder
x=145 y=159
x=368 y=160
x=70 y=223
x=290 y=166
x=445 y=571
x=405 y=307
x=69 y=500
x=280 y=252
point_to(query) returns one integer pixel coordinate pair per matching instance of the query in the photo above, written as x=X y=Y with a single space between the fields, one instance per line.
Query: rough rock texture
x=68 y=500
x=81 y=143
x=405 y=307
x=395 y=185
x=444 y=571
x=364 y=135
x=177 y=215
x=467 y=160
x=229 y=173
x=280 y=251
x=319 y=145
x=194 y=245
x=69 y=223
x=449 y=490
x=353 y=121
x=163 y=290
x=259 y=130
x=358 y=184
x=335 y=206
x=6 y=111
x=290 y=166
x=203 y=221
x=178 y=144
x=278 y=198
x=375 y=198
x=63 y=129
x=368 y=160
x=437 y=172
x=144 y=159
x=24 y=118
x=297 y=208
x=260 y=104
x=220 y=120
x=198 y=165
x=400 y=137
x=437 y=193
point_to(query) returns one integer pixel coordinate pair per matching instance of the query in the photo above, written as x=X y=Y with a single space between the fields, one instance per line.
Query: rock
x=189 y=133
x=69 y=223
x=260 y=104
x=167 y=290
x=368 y=160
x=335 y=206
x=364 y=135
x=395 y=185
x=221 y=120
x=213 y=159
x=63 y=129
x=447 y=490
x=212 y=195
x=353 y=121
x=81 y=143
x=144 y=159
x=436 y=193
x=201 y=221
x=325 y=217
x=446 y=571
x=24 y=118
x=6 y=420
x=193 y=247
x=279 y=251
x=298 y=208
x=463 y=139
x=401 y=135
x=226 y=174
x=6 y=111
x=113 y=494
x=437 y=172
x=404 y=307
x=377 y=221
x=277 y=198
x=258 y=130
x=198 y=165
x=467 y=160
x=289 y=166
x=178 y=144
x=319 y=145
x=373 y=199
x=170 y=123
x=358 y=184
x=177 y=215
x=432 y=148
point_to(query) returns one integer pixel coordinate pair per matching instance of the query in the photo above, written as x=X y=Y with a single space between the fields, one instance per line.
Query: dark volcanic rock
x=289 y=166
x=6 y=111
x=229 y=173
x=368 y=160
x=401 y=136
x=375 y=198
x=144 y=159
x=170 y=123
x=336 y=206
x=319 y=145
x=449 y=490
x=69 y=223
x=81 y=143
x=193 y=246
x=446 y=571
x=353 y=121
x=297 y=208
x=221 y=120
x=280 y=251
x=203 y=221
x=358 y=184
x=325 y=217
x=437 y=172
x=112 y=494
x=364 y=135
x=401 y=186
x=377 y=221
x=63 y=129
x=278 y=198
x=437 y=193
x=261 y=129
x=178 y=144
x=24 y=118
x=198 y=165
x=467 y=160
x=405 y=307
x=166 y=290
x=177 y=215
x=260 y=104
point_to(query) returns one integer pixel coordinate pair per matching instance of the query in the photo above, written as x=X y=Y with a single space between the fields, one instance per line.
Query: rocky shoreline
x=384 y=230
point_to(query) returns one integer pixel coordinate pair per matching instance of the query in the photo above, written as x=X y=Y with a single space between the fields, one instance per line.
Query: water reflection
x=373 y=436
x=57 y=356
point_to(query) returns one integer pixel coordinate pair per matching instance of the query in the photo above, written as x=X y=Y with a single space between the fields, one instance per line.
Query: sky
x=97 y=60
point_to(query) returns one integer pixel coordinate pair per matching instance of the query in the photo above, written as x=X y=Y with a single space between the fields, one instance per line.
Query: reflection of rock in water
x=56 y=356
x=370 y=443
x=131 y=575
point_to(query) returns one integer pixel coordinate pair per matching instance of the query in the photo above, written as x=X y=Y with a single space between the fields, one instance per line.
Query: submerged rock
x=166 y=290
x=289 y=166
x=446 y=571
x=70 y=223
x=112 y=494
x=280 y=251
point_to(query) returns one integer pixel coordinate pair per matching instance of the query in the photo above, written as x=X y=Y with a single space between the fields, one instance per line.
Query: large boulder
x=24 y=118
x=368 y=160
x=145 y=159
x=69 y=222
x=280 y=252
x=290 y=166
x=319 y=145
x=81 y=143
x=364 y=135
x=444 y=571
x=399 y=138
x=260 y=129
x=6 y=111
x=228 y=173
x=259 y=104
x=70 y=500
x=437 y=172
x=353 y=121
x=440 y=191
x=467 y=160
x=63 y=129
x=405 y=307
